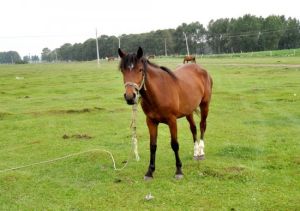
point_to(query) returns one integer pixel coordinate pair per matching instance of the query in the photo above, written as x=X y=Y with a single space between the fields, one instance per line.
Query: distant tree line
x=251 y=33
x=32 y=59
x=13 y=57
x=9 y=57
x=244 y=34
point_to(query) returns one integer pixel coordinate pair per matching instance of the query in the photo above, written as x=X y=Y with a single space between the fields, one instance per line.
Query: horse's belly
x=189 y=101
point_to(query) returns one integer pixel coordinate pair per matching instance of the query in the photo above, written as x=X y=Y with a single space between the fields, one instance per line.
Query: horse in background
x=187 y=59
x=110 y=59
x=151 y=57
x=166 y=96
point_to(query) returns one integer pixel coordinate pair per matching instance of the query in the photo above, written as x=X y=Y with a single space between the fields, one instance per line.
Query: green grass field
x=52 y=110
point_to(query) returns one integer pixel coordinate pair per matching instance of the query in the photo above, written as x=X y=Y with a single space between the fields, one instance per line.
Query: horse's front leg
x=175 y=146
x=152 y=126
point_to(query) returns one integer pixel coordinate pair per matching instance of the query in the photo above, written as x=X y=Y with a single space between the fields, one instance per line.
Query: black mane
x=132 y=59
x=170 y=72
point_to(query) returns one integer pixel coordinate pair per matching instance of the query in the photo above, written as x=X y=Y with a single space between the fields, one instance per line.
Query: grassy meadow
x=52 y=110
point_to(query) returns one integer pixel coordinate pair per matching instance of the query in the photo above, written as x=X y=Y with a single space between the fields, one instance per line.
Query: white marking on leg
x=196 y=149
x=201 y=147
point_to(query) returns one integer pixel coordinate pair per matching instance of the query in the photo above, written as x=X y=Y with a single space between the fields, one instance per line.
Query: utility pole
x=166 y=47
x=219 y=47
x=98 y=60
x=186 y=42
x=55 y=56
x=119 y=41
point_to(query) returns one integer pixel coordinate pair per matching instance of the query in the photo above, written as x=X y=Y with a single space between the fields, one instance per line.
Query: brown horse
x=189 y=59
x=151 y=57
x=167 y=96
x=110 y=59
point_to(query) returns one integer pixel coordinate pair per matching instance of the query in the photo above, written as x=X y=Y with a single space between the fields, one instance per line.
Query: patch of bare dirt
x=77 y=136
x=234 y=169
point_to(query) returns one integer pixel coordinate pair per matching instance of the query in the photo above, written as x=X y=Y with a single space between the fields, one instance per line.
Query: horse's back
x=195 y=84
x=192 y=74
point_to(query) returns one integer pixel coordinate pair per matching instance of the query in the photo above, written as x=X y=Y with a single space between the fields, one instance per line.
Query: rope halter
x=137 y=87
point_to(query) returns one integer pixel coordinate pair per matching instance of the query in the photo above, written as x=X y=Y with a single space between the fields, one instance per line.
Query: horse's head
x=133 y=68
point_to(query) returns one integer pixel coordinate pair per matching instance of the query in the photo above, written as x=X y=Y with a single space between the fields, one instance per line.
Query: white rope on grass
x=65 y=157
x=134 y=148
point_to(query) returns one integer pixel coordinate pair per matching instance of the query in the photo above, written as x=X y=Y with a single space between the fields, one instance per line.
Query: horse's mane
x=132 y=59
x=170 y=72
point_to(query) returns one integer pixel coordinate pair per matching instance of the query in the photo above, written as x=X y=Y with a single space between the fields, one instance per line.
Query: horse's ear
x=121 y=53
x=139 y=53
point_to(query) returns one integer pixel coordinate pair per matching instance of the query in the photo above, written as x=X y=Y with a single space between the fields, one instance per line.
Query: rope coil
x=134 y=148
x=134 y=139
x=64 y=157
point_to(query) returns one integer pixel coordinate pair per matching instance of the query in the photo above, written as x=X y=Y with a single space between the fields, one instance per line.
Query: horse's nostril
x=129 y=96
x=130 y=99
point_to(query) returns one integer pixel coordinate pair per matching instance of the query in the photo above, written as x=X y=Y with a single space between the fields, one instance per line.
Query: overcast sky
x=27 y=26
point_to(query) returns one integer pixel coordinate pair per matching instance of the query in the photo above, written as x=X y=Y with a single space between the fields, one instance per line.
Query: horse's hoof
x=178 y=176
x=199 y=157
x=147 y=178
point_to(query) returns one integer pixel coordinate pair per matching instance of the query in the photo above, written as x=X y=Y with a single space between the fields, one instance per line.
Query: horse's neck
x=155 y=83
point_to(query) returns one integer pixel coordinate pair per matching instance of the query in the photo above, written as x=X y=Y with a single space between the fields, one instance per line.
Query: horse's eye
x=141 y=70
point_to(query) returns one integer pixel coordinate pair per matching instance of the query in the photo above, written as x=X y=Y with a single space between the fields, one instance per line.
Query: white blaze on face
x=131 y=66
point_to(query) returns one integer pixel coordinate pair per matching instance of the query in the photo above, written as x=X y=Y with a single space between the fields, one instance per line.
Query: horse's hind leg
x=193 y=129
x=204 y=106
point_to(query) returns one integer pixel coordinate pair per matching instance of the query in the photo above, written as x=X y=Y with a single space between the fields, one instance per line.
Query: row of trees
x=10 y=57
x=154 y=42
x=244 y=34
x=250 y=33
x=247 y=33
x=31 y=59
x=13 y=57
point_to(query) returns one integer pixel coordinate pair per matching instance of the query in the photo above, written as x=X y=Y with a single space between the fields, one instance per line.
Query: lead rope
x=133 y=128
x=134 y=148
x=134 y=115
x=65 y=157
x=134 y=142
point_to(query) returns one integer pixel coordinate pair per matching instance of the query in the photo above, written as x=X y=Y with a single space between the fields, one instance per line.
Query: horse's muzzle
x=130 y=98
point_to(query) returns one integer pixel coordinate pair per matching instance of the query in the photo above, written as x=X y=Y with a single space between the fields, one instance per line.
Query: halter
x=136 y=86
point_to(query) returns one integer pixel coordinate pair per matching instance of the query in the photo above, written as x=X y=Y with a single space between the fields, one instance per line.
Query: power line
x=251 y=33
